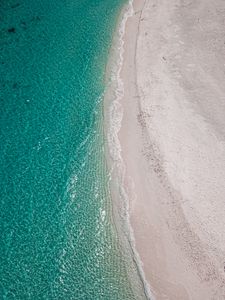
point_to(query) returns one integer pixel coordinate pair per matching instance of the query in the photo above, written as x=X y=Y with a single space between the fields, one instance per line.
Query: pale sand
x=173 y=144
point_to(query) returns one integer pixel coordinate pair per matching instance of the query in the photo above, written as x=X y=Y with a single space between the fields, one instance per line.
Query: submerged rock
x=12 y=30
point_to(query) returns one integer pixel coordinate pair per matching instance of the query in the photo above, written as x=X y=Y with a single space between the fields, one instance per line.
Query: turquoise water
x=58 y=239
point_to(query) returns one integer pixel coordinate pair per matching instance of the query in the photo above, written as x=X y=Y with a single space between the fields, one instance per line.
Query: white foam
x=116 y=109
x=115 y=119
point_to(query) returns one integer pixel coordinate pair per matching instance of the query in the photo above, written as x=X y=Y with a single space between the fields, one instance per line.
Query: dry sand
x=173 y=144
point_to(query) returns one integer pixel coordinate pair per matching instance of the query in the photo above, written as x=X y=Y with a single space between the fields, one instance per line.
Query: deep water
x=58 y=239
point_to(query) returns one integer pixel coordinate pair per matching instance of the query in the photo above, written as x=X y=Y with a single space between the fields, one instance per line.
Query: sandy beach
x=172 y=140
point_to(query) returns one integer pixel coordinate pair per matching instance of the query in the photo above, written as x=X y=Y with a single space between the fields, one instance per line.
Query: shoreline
x=171 y=147
x=113 y=113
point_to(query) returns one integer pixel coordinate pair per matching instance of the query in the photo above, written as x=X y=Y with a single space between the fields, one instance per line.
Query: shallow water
x=58 y=240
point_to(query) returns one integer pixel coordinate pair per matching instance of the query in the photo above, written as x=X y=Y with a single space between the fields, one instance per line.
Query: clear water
x=58 y=240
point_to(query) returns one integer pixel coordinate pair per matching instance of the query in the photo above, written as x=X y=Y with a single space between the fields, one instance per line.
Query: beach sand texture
x=173 y=144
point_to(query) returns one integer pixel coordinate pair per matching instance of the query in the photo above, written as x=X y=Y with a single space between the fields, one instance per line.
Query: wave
x=114 y=146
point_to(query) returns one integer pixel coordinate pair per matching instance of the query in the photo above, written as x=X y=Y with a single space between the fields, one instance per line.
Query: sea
x=59 y=238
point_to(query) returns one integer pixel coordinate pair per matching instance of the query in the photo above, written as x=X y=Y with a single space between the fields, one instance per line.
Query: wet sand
x=172 y=140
